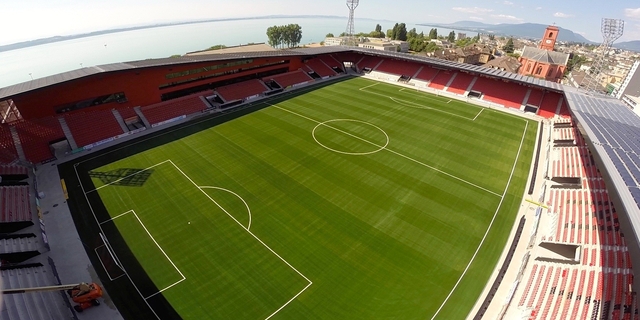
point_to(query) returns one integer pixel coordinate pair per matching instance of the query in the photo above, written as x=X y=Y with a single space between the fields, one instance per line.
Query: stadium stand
x=535 y=97
x=9 y=152
x=16 y=205
x=332 y=63
x=398 y=67
x=369 y=62
x=598 y=287
x=427 y=73
x=241 y=90
x=166 y=110
x=94 y=126
x=348 y=57
x=36 y=135
x=549 y=104
x=460 y=83
x=439 y=82
x=508 y=94
x=127 y=113
x=289 y=79
x=39 y=305
x=320 y=67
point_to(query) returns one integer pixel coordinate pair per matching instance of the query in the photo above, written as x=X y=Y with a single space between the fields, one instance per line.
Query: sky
x=32 y=19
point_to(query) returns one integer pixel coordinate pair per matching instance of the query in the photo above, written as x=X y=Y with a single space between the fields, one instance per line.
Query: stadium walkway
x=67 y=249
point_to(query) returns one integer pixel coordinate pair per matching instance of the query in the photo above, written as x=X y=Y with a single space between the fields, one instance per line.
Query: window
x=118 y=97
x=550 y=34
x=549 y=73
x=539 y=70
x=529 y=68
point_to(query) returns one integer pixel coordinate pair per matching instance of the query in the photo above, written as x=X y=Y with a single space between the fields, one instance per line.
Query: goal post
x=108 y=258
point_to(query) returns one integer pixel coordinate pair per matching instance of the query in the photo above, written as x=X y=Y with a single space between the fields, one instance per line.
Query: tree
x=394 y=32
x=452 y=36
x=286 y=35
x=492 y=37
x=390 y=33
x=329 y=35
x=509 y=47
x=433 y=34
x=412 y=33
x=402 y=32
x=378 y=28
x=217 y=47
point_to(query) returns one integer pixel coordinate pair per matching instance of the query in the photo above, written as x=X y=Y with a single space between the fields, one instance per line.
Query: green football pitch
x=356 y=200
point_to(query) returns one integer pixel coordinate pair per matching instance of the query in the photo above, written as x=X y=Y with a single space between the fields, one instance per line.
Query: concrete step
x=142 y=117
x=67 y=133
x=17 y=143
x=123 y=125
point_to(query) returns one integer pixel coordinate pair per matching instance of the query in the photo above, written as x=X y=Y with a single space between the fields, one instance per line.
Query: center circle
x=372 y=143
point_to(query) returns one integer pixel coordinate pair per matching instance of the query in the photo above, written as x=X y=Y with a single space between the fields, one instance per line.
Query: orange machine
x=84 y=294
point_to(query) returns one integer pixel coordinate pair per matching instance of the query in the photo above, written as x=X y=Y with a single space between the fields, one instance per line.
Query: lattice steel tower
x=612 y=30
x=350 y=40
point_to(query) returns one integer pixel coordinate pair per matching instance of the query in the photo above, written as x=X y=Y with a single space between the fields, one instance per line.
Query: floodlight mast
x=350 y=39
x=612 y=30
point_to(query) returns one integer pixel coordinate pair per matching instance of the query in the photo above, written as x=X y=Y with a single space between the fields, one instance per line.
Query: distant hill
x=522 y=30
x=629 y=45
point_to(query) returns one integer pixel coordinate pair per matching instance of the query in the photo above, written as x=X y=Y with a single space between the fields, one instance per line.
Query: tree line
x=285 y=36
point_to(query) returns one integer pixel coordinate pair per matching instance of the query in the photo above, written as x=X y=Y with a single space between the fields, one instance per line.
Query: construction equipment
x=83 y=294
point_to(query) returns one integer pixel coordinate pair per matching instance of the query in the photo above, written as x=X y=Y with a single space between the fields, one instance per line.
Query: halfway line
x=395 y=152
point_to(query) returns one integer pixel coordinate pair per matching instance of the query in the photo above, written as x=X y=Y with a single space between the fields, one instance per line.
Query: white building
x=333 y=41
x=383 y=45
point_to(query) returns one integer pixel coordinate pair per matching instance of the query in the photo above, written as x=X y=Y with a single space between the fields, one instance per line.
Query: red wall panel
x=140 y=86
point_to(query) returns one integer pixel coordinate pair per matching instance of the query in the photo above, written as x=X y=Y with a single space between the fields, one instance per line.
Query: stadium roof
x=35 y=84
x=614 y=130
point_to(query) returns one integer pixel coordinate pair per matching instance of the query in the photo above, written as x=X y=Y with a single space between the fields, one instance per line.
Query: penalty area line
x=253 y=235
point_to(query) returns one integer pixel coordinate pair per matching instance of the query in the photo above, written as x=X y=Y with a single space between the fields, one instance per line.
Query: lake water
x=161 y=42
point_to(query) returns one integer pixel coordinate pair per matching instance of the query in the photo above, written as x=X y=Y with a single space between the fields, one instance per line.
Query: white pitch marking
x=449 y=101
x=394 y=152
x=476 y=117
x=515 y=162
x=131 y=175
x=159 y=247
x=235 y=194
x=313 y=134
x=116 y=217
x=255 y=237
x=371 y=85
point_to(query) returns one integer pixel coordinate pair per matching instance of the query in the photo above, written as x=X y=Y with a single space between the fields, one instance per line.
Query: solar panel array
x=615 y=128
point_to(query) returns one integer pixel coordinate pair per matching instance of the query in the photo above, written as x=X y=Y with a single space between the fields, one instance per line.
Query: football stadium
x=317 y=183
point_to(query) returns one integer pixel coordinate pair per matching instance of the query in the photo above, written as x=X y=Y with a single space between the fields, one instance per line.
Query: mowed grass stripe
x=236 y=270
x=444 y=144
x=379 y=236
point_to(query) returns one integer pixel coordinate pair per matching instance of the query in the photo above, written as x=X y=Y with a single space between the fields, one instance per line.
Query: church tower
x=549 y=38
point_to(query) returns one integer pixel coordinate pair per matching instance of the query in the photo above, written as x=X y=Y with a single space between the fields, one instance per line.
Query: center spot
x=350 y=136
